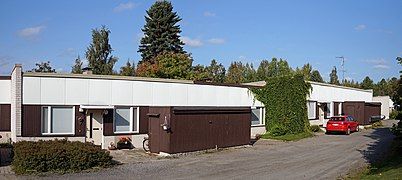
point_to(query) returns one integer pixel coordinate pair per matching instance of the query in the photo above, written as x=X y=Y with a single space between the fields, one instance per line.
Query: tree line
x=163 y=56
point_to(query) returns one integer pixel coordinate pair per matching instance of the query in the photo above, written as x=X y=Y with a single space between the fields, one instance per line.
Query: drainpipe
x=16 y=101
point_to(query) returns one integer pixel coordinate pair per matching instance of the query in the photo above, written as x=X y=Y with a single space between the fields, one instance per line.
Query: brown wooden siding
x=371 y=109
x=5 y=117
x=108 y=123
x=80 y=122
x=355 y=109
x=143 y=129
x=198 y=128
x=336 y=108
x=32 y=122
x=5 y=77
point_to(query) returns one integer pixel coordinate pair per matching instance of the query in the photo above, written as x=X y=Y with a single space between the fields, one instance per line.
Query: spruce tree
x=333 y=77
x=99 y=52
x=77 y=67
x=216 y=71
x=161 y=32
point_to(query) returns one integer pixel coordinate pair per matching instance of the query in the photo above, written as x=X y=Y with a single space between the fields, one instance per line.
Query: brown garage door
x=355 y=109
x=198 y=128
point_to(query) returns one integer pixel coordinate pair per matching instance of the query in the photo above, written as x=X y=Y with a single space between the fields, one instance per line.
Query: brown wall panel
x=143 y=120
x=80 y=125
x=355 y=109
x=108 y=123
x=336 y=108
x=31 y=120
x=5 y=117
x=371 y=110
x=195 y=128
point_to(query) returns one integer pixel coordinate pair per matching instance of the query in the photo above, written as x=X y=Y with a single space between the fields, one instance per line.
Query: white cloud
x=360 y=27
x=379 y=64
x=191 y=42
x=209 y=14
x=124 y=6
x=69 y=52
x=216 y=41
x=31 y=32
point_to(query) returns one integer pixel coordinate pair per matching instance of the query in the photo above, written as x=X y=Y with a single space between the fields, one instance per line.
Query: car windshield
x=337 y=118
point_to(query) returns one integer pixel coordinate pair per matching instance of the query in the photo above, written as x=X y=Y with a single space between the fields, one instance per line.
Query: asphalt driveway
x=320 y=157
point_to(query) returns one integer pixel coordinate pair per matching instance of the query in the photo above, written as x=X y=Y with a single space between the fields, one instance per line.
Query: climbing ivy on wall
x=285 y=100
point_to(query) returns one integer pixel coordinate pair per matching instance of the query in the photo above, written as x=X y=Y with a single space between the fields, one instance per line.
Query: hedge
x=285 y=100
x=57 y=156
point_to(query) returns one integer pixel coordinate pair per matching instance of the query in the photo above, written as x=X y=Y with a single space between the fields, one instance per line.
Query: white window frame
x=262 y=115
x=131 y=120
x=49 y=120
x=315 y=110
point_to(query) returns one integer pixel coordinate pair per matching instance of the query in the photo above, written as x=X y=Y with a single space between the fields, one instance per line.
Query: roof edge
x=108 y=77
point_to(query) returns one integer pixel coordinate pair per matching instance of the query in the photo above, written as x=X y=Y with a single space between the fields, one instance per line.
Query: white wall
x=323 y=93
x=384 y=100
x=74 y=91
x=5 y=91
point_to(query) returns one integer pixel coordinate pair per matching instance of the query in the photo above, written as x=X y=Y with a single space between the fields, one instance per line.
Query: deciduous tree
x=128 y=69
x=43 y=67
x=99 y=52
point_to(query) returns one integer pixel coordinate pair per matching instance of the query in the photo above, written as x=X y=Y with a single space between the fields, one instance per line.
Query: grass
x=390 y=167
x=288 y=137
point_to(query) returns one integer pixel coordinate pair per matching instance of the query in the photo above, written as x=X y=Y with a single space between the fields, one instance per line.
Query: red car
x=345 y=124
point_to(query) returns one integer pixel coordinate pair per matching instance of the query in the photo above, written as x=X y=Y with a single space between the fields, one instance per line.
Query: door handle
x=95 y=128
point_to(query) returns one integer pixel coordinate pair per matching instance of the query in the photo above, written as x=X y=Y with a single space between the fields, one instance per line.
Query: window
x=311 y=109
x=57 y=120
x=126 y=120
x=327 y=110
x=257 y=116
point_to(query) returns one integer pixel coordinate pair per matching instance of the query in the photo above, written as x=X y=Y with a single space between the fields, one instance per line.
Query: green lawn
x=289 y=137
x=389 y=168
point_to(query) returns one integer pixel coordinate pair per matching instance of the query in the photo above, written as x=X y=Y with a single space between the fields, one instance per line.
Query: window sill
x=257 y=125
x=126 y=132
x=57 y=134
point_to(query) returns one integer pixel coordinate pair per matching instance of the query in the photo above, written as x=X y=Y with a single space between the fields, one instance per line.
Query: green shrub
x=57 y=156
x=377 y=124
x=397 y=129
x=393 y=114
x=285 y=100
x=315 y=128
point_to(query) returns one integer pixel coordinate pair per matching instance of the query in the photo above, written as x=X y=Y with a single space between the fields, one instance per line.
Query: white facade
x=387 y=105
x=322 y=92
x=81 y=91
x=5 y=92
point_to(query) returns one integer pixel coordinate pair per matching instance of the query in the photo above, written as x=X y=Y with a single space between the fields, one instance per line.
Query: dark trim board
x=5 y=77
x=5 y=117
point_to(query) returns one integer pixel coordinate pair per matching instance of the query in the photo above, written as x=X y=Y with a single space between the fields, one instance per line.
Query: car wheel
x=348 y=131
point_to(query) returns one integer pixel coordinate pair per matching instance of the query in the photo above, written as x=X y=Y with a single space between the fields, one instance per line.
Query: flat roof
x=262 y=83
x=130 y=78
x=108 y=77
